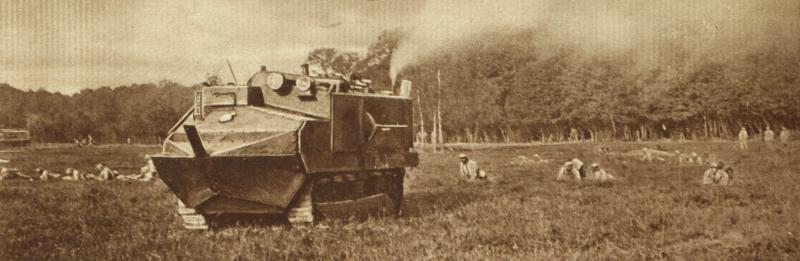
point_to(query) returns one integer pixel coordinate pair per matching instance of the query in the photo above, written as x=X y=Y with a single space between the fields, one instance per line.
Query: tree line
x=139 y=112
x=511 y=86
x=520 y=85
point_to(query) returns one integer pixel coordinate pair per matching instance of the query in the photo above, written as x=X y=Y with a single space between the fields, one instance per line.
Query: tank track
x=331 y=194
x=347 y=193
x=191 y=218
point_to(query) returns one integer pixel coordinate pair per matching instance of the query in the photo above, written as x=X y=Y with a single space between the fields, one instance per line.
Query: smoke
x=648 y=31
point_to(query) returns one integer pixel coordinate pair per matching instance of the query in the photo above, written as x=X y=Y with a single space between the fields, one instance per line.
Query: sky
x=66 y=46
x=649 y=32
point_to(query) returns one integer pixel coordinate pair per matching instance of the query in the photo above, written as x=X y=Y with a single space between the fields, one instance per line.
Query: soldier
x=71 y=174
x=600 y=173
x=647 y=155
x=578 y=164
x=785 y=133
x=146 y=172
x=650 y=154
x=743 y=136
x=769 y=136
x=45 y=174
x=717 y=175
x=9 y=173
x=679 y=158
x=721 y=176
x=694 y=158
x=469 y=168
x=710 y=174
x=87 y=175
x=105 y=172
x=573 y=134
x=569 y=167
x=726 y=176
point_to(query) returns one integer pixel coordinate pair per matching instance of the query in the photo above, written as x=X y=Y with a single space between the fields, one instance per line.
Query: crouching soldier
x=728 y=175
x=148 y=171
x=716 y=175
x=469 y=168
x=571 y=167
x=599 y=173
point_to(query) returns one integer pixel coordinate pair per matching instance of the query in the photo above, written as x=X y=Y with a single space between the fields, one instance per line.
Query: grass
x=656 y=211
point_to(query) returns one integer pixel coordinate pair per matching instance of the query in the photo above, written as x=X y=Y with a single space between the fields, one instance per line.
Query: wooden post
x=613 y=127
x=434 y=139
x=421 y=121
x=439 y=135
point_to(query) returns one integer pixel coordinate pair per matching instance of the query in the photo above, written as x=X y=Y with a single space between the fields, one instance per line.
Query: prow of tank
x=288 y=144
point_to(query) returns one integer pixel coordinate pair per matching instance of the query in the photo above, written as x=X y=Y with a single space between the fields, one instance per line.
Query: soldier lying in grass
x=105 y=173
x=46 y=174
x=72 y=175
x=10 y=173
x=146 y=172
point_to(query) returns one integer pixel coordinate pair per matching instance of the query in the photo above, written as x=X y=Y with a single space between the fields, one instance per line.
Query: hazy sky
x=69 y=45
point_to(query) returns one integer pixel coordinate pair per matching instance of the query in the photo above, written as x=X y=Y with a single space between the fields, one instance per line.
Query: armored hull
x=279 y=148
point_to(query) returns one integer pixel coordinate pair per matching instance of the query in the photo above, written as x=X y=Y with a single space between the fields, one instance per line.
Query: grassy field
x=655 y=211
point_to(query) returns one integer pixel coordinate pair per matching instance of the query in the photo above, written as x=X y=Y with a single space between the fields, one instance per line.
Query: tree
x=332 y=61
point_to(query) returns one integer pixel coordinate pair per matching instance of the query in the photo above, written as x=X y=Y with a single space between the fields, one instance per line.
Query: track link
x=191 y=219
x=359 y=191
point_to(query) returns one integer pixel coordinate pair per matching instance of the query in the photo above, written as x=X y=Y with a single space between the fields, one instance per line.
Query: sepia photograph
x=399 y=130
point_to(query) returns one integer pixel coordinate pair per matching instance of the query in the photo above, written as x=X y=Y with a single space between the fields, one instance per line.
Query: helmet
x=462 y=156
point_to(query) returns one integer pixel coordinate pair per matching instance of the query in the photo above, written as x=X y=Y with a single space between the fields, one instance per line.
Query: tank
x=14 y=137
x=294 y=145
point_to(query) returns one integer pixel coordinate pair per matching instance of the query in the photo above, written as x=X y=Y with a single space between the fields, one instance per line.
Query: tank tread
x=302 y=212
x=191 y=218
x=357 y=191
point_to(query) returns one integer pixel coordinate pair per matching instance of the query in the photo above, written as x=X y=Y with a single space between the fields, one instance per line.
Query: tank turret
x=290 y=144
